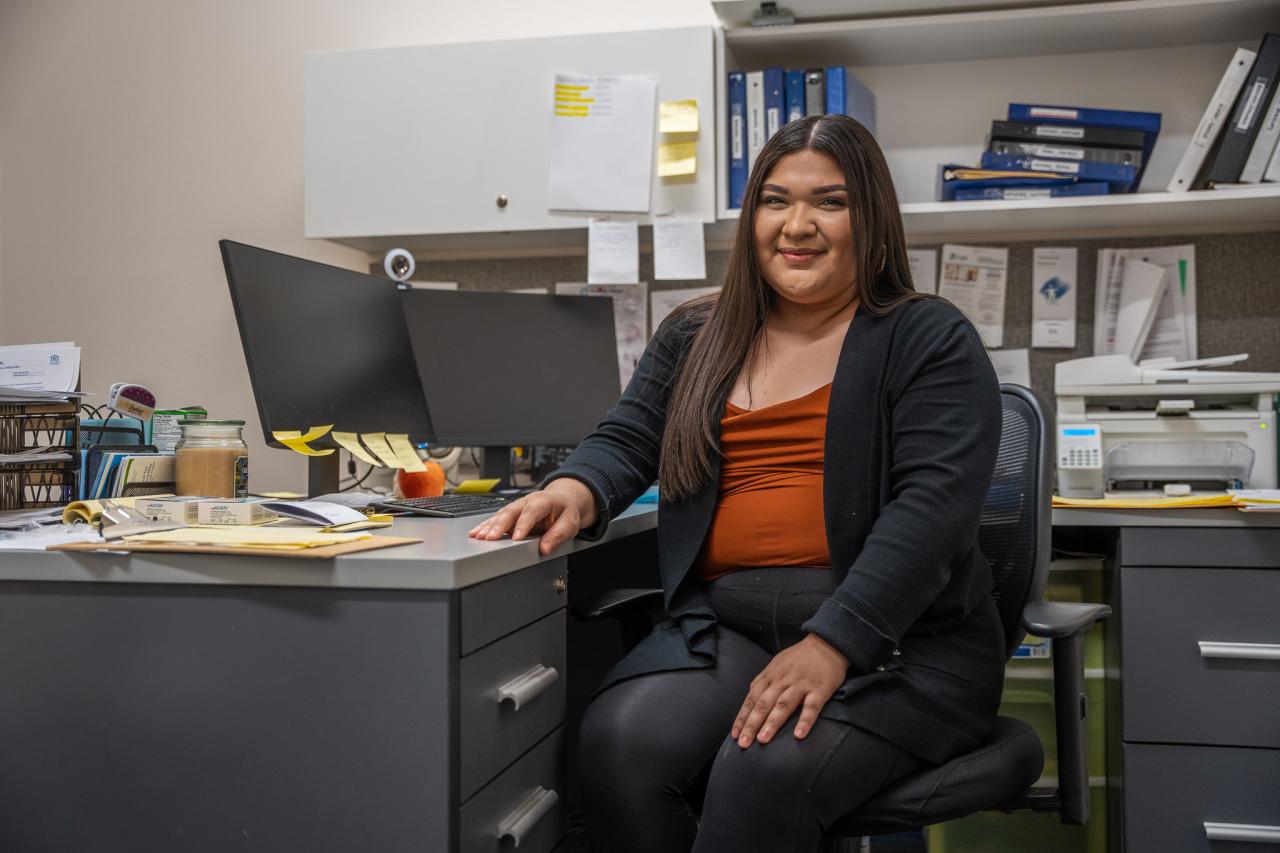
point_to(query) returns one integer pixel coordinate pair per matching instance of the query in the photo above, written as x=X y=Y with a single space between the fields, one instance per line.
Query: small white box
x=176 y=510
x=232 y=511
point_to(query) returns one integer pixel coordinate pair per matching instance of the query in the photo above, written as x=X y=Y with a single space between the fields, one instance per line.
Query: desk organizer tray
x=33 y=426
x=373 y=543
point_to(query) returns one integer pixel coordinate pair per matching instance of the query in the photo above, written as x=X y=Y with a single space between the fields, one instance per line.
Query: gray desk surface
x=445 y=559
x=1205 y=517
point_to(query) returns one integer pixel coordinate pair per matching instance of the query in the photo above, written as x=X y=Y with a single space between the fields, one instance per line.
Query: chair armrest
x=1065 y=623
x=1057 y=619
x=617 y=604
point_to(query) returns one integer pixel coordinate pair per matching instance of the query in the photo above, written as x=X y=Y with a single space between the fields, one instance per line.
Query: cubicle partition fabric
x=1237 y=284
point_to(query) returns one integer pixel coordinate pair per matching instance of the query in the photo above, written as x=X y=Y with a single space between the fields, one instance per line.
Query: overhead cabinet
x=451 y=139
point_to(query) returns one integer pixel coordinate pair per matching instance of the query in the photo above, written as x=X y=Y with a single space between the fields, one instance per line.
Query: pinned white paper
x=1054 y=278
x=630 y=313
x=602 y=132
x=974 y=279
x=613 y=251
x=679 y=251
x=663 y=302
x=924 y=269
x=1012 y=365
x=1144 y=285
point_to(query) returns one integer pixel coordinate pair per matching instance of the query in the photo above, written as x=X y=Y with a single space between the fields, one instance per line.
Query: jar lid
x=207 y=422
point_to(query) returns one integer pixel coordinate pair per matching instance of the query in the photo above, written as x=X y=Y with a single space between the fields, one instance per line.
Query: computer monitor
x=324 y=345
x=504 y=369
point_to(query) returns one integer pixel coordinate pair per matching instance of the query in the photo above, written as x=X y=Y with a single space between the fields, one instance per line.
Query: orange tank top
x=769 y=508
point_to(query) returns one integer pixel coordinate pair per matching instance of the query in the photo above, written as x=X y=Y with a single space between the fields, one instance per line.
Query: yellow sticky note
x=677 y=158
x=678 y=116
x=476 y=487
x=406 y=456
x=350 y=442
x=377 y=442
x=299 y=442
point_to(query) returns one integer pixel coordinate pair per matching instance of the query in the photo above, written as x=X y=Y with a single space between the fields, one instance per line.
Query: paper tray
x=373 y=543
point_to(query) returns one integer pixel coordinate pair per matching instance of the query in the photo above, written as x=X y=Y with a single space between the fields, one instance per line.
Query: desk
x=174 y=702
x=163 y=702
x=1193 y=739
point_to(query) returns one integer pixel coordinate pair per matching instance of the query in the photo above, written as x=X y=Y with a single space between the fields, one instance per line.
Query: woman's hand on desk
x=557 y=512
x=801 y=676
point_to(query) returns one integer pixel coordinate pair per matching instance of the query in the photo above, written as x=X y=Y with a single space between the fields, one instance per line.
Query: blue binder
x=951 y=179
x=835 y=90
x=1147 y=123
x=795 y=94
x=737 y=137
x=971 y=193
x=775 y=100
x=846 y=95
x=1118 y=175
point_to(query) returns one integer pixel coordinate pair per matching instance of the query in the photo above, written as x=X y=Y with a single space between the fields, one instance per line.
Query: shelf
x=1132 y=215
x=994 y=34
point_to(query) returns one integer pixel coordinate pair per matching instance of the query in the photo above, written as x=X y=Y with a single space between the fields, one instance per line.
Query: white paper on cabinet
x=974 y=278
x=679 y=250
x=602 y=131
x=613 y=251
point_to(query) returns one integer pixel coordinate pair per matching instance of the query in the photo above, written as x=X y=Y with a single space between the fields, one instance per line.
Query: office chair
x=1014 y=534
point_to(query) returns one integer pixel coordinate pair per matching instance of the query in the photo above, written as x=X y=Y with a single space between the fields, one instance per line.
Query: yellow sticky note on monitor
x=350 y=442
x=678 y=116
x=299 y=442
x=406 y=455
x=476 y=487
x=677 y=158
x=377 y=442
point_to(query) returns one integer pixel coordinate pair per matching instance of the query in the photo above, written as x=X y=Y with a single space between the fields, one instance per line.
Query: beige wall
x=136 y=133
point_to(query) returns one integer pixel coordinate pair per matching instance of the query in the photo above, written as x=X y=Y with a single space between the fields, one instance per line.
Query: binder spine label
x=1060 y=132
x=1058 y=152
x=736 y=136
x=1055 y=112
x=1054 y=166
x=1250 y=111
x=773 y=118
x=1021 y=194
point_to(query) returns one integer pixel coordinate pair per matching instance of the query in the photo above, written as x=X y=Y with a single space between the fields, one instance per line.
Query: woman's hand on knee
x=803 y=676
x=557 y=512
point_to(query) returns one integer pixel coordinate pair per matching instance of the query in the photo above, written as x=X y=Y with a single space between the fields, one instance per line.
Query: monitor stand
x=323 y=473
x=496 y=464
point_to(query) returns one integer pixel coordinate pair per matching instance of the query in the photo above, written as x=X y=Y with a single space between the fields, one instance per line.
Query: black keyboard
x=445 y=506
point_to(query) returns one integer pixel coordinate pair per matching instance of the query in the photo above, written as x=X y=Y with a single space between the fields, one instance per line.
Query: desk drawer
x=495 y=608
x=1170 y=792
x=1177 y=689
x=531 y=664
x=526 y=801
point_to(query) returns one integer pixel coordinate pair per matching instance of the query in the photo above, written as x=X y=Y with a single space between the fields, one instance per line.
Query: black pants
x=649 y=744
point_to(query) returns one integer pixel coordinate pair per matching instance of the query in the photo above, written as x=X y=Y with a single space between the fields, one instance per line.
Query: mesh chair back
x=1014 y=531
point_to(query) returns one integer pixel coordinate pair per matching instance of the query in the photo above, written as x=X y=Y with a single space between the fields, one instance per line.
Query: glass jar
x=212 y=459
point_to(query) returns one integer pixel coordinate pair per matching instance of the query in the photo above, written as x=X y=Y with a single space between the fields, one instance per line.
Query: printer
x=1161 y=428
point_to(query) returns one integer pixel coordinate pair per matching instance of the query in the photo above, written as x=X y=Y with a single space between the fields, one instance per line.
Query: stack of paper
x=1257 y=500
x=1190 y=502
x=1137 y=315
x=39 y=372
x=250 y=536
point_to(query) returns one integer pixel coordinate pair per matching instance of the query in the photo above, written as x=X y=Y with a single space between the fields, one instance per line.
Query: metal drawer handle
x=520 y=822
x=1241 y=832
x=526 y=687
x=1240 y=651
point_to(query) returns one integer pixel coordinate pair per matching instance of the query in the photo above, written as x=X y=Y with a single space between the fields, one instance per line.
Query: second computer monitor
x=509 y=369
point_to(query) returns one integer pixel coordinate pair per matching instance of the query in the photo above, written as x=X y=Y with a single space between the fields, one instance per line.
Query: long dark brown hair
x=732 y=322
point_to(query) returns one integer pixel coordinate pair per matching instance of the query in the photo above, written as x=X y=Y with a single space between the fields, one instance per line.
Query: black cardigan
x=912 y=431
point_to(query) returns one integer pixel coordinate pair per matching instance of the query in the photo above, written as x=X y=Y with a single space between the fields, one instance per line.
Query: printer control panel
x=1080 y=461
